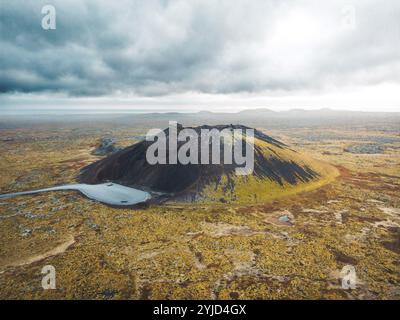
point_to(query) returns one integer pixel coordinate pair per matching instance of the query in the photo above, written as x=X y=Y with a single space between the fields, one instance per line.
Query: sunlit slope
x=256 y=188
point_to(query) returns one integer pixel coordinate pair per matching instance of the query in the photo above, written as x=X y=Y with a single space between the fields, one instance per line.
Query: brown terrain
x=290 y=247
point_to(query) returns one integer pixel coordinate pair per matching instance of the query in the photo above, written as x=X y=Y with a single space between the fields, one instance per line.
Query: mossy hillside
x=255 y=189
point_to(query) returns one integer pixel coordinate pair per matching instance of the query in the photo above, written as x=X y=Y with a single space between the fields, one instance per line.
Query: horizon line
x=86 y=110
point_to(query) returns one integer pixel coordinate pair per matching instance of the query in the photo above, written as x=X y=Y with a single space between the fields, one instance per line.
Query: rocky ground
x=294 y=247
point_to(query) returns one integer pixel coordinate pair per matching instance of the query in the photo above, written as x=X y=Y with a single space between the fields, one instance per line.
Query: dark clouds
x=154 y=48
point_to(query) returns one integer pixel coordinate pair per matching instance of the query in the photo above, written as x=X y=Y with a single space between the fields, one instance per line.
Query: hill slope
x=278 y=170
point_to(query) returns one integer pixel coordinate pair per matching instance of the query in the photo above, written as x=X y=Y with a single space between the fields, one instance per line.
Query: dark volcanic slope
x=129 y=167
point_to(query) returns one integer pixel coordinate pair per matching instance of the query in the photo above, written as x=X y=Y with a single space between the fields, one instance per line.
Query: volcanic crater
x=277 y=169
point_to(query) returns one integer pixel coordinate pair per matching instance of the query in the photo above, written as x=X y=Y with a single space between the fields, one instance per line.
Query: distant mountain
x=256 y=111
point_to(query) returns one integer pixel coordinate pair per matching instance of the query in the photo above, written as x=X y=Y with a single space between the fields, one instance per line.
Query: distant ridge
x=256 y=111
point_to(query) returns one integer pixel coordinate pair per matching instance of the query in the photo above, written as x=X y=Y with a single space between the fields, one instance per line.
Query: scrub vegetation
x=290 y=242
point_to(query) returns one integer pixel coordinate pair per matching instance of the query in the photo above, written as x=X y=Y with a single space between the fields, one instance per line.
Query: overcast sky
x=205 y=54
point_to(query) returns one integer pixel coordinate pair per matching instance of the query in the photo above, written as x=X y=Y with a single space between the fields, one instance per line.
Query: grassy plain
x=200 y=251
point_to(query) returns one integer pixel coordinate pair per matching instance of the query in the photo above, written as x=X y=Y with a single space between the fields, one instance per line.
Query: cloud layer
x=156 y=48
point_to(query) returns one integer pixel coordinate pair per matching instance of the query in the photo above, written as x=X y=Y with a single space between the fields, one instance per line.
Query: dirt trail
x=53 y=252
